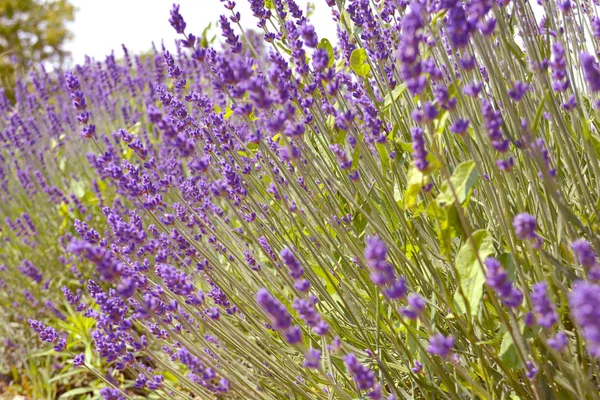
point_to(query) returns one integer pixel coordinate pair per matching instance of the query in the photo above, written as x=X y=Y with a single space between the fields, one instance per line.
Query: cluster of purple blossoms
x=587 y=257
x=497 y=279
x=312 y=358
x=307 y=312
x=493 y=123
x=441 y=345
x=48 y=334
x=280 y=316
x=408 y=51
x=584 y=301
x=544 y=310
x=560 y=80
x=416 y=306
x=80 y=105
x=591 y=71
x=296 y=270
x=363 y=377
x=418 y=145
x=30 y=271
x=383 y=273
x=525 y=227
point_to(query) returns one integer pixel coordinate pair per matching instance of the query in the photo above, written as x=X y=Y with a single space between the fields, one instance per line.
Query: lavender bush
x=411 y=213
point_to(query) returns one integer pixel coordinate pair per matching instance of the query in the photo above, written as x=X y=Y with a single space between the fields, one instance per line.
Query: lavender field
x=409 y=210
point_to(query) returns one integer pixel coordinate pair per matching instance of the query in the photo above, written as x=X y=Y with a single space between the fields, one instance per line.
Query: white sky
x=103 y=25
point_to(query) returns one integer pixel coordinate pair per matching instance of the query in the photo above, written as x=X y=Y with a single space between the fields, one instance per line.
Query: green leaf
x=416 y=180
x=447 y=225
x=384 y=157
x=405 y=146
x=471 y=275
x=539 y=113
x=391 y=98
x=326 y=45
x=463 y=178
x=75 y=392
x=508 y=352
x=77 y=188
x=359 y=63
x=508 y=263
x=318 y=270
x=67 y=374
x=228 y=112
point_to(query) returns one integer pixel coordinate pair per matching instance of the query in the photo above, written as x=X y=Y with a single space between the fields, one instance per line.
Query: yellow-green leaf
x=359 y=63
x=470 y=272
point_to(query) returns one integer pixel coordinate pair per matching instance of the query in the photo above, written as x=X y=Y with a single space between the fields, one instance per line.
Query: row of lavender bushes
x=409 y=213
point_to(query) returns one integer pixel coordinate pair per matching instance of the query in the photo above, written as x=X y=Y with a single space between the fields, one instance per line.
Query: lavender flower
x=383 y=274
x=416 y=306
x=545 y=312
x=79 y=360
x=591 y=71
x=584 y=302
x=279 y=314
x=312 y=358
x=363 y=377
x=440 y=345
x=176 y=20
x=497 y=279
x=559 y=341
x=290 y=260
x=525 y=226
x=418 y=145
x=586 y=255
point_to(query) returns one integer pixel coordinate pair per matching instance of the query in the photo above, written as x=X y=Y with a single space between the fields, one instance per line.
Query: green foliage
x=359 y=62
x=31 y=31
x=470 y=271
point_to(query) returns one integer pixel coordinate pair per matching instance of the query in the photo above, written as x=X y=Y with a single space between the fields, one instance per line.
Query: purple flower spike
x=544 y=310
x=586 y=255
x=591 y=71
x=79 y=360
x=176 y=19
x=279 y=314
x=497 y=279
x=290 y=260
x=584 y=301
x=559 y=341
x=418 y=145
x=416 y=306
x=312 y=359
x=363 y=377
x=525 y=226
x=440 y=345
x=417 y=367
x=460 y=126
x=111 y=394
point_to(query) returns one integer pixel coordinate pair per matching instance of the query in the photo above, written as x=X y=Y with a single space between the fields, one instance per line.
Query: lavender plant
x=411 y=213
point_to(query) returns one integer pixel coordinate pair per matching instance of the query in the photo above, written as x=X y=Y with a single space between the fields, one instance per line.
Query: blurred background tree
x=32 y=31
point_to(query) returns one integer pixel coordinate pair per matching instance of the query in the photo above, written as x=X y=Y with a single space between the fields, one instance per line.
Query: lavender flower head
x=497 y=279
x=418 y=145
x=544 y=310
x=584 y=301
x=383 y=273
x=176 y=20
x=440 y=345
x=590 y=71
x=312 y=358
x=363 y=377
x=586 y=255
x=525 y=227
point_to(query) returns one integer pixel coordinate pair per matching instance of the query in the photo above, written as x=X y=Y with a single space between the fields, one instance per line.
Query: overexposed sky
x=103 y=25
